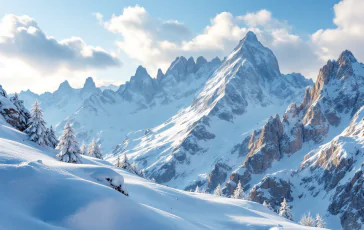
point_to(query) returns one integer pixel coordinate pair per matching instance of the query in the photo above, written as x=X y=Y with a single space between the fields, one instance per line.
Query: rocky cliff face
x=331 y=171
x=198 y=146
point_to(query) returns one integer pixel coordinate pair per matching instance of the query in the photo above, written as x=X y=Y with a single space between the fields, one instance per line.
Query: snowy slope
x=39 y=192
x=238 y=97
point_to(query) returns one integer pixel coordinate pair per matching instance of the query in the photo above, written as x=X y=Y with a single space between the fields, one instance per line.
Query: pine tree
x=118 y=162
x=3 y=92
x=265 y=204
x=94 y=150
x=285 y=210
x=239 y=193
x=68 y=145
x=320 y=223
x=125 y=162
x=218 y=191
x=141 y=173
x=23 y=112
x=83 y=149
x=134 y=167
x=307 y=220
x=197 y=190
x=51 y=137
x=37 y=129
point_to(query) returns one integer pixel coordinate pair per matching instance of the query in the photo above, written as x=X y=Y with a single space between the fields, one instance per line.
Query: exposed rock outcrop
x=13 y=110
x=278 y=188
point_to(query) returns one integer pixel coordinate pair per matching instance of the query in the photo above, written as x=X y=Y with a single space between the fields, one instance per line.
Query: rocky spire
x=178 y=68
x=89 y=87
x=64 y=88
x=251 y=50
x=346 y=57
x=89 y=83
x=160 y=75
x=191 y=66
x=200 y=62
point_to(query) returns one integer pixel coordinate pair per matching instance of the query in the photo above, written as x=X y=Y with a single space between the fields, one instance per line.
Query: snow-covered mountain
x=110 y=86
x=40 y=192
x=313 y=156
x=63 y=102
x=142 y=102
x=239 y=95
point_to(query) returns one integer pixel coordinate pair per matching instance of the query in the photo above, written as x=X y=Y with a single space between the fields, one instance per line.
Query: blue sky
x=296 y=22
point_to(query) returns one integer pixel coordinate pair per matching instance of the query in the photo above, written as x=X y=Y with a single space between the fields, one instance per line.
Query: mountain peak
x=191 y=65
x=250 y=36
x=251 y=50
x=64 y=85
x=160 y=74
x=89 y=83
x=141 y=71
x=346 y=56
x=200 y=62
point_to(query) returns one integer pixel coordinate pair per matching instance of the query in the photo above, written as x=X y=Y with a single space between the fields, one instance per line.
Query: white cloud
x=30 y=59
x=260 y=18
x=349 y=33
x=22 y=38
x=148 y=40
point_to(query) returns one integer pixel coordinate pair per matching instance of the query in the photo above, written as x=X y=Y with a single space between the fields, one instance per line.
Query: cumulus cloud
x=23 y=39
x=349 y=33
x=155 y=43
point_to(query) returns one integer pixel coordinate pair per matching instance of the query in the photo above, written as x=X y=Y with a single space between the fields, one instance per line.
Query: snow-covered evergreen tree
x=118 y=162
x=125 y=162
x=197 y=190
x=23 y=112
x=83 y=148
x=37 y=129
x=320 y=223
x=94 y=150
x=218 y=191
x=239 y=193
x=265 y=204
x=3 y=92
x=307 y=220
x=134 y=167
x=141 y=173
x=285 y=210
x=51 y=137
x=68 y=145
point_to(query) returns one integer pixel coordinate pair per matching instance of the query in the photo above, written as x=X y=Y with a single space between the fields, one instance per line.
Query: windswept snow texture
x=39 y=192
x=237 y=98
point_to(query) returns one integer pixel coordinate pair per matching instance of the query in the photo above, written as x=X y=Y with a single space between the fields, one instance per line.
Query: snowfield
x=40 y=192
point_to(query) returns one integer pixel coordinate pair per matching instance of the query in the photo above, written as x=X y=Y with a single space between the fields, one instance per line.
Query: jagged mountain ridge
x=63 y=102
x=239 y=94
x=142 y=102
x=168 y=92
x=276 y=166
